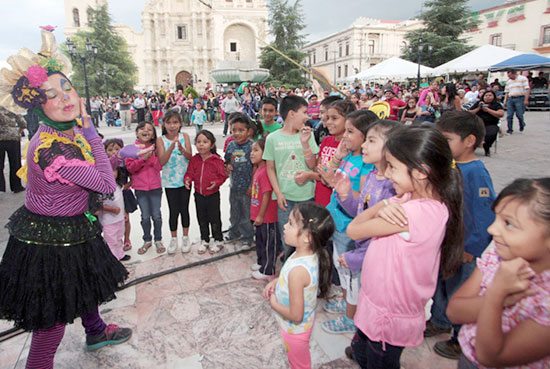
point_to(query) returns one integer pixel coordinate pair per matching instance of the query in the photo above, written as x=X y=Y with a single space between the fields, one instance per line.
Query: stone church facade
x=183 y=40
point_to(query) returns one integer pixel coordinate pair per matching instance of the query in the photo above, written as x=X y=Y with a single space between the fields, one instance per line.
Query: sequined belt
x=38 y=229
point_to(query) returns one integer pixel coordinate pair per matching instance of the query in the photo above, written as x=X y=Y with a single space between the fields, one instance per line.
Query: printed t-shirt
x=198 y=117
x=326 y=152
x=260 y=185
x=354 y=168
x=287 y=153
x=176 y=166
x=535 y=307
x=239 y=157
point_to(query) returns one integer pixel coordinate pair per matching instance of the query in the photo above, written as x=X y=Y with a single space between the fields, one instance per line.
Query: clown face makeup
x=62 y=103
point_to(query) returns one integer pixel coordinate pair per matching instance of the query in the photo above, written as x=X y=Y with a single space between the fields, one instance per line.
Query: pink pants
x=297 y=349
x=114 y=236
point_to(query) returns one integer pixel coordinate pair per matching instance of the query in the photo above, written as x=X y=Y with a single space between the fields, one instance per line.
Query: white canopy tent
x=477 y=60
x=393 y=68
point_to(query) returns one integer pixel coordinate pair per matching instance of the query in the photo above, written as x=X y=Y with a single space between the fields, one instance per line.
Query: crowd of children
x=400 y=214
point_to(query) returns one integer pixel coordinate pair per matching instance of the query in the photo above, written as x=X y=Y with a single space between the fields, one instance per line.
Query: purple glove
x=90 y=132
x=129 y=151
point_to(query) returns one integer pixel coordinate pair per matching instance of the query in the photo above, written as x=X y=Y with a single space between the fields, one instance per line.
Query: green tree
x=285 y=25
x=113 y=70
x=444 y=22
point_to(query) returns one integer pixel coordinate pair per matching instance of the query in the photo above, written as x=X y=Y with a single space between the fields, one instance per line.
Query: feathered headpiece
x=20 y=86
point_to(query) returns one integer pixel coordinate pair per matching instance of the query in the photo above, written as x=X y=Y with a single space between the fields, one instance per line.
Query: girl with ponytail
x=413 y=235
x=304 y=277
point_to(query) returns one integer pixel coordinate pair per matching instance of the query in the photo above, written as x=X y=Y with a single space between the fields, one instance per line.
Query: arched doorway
x=184 y=79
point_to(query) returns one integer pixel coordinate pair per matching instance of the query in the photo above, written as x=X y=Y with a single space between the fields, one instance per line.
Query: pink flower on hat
x=36 y=75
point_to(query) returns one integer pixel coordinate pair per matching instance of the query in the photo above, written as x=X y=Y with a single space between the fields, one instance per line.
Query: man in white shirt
x=229 y=105
x=516 y=98
x=472 y=95
x=139 y=104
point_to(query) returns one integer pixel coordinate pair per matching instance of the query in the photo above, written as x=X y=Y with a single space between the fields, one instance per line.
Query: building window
x=339 y=71
x=371 y=47
x=347 y=48
x=90 y=14
x=233 y=47
x=345 y=70
x=340 y=50
x=314 y=56
x=495 y=39
x=76 y=17
x=326 y=54
x=545 y=35
x=182 y=33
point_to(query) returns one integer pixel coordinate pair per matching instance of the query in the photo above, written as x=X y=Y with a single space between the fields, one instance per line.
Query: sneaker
x=216 y=246
x=230 y=239
x=125 y=258
x=433 y=330
x=257 y=275
x=335 y=307
x=449 y=349
x=349 y=353
x=113 y=335
x=340 y=325
x=185 y=244
x=173 y=246
x=335 y=292
x=246 y=246
x=160 y=247
x=255 y=267
x=203 y=247
x=521 y=128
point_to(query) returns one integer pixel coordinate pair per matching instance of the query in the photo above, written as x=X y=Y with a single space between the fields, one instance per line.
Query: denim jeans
x=149 y=204
x=444 y=291
x=239 y=216
x=371 y=355
x=515 y=105
x=282 y=219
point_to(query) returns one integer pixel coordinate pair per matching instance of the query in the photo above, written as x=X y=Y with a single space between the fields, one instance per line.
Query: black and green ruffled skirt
x=55 y=269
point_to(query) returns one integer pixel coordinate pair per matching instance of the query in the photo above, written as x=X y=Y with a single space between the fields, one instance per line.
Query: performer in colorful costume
x=56 y=266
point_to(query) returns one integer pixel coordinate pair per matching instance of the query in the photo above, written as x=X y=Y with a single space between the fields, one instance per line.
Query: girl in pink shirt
x=505 y=304
x=409 y=244
x=146 y=181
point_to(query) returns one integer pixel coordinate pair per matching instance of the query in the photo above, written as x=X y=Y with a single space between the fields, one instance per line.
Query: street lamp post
x=91 y=51
x=419 y=58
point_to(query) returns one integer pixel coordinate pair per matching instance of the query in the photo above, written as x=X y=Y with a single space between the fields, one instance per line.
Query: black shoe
x=487 y=153
x=349 y=353
x=20 y=189
x=113 y=335
x=521 y=128
x=125 y=258
x=449 y=349
x=433 y=330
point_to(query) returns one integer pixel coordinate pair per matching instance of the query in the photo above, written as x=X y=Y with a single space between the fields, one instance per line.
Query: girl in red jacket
x=206 y=170
x=145 y=172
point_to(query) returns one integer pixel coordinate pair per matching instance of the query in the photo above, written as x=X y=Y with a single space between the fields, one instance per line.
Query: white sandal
x=217 y=246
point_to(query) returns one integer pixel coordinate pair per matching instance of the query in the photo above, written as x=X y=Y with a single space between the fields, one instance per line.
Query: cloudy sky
x=21 y=18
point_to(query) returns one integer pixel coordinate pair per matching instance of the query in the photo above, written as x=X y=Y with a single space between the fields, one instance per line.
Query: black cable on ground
x=14 y=332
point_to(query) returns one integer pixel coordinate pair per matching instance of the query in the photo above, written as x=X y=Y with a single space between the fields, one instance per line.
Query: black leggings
x=178 y=203
x=208 y=215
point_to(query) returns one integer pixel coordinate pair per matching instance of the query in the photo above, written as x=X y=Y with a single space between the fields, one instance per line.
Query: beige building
x=363 y=44
x=522 y=25
x=183 y=40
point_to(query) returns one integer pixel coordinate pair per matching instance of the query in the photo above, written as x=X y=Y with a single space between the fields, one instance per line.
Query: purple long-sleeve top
x=373 y=191
x=59 y=184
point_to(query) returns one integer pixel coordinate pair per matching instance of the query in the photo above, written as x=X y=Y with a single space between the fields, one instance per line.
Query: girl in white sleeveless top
x=304 y=277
